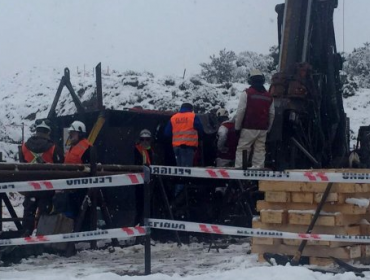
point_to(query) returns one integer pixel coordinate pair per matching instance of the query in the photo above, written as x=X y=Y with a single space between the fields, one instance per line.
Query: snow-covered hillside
x=28 y=95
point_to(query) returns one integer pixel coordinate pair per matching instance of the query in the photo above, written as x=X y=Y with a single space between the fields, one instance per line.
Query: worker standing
x=68 y=202
x=39 y=148
x=79 y=151
x=226 y=139
x=143 y=155
x=143 y=152
x=254 y=119
x=185 y=129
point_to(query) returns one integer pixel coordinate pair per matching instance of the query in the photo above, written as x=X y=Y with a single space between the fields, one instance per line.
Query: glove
x=237 y=133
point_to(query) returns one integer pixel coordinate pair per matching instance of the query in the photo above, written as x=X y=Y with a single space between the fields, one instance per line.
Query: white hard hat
x=255 y=72
x=43 y=124
x=77 y=126
x=145 y=133
x=256 y=75
x=222 y=113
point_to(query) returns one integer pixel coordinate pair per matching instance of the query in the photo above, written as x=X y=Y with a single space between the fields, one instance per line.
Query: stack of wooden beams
x=290 y=207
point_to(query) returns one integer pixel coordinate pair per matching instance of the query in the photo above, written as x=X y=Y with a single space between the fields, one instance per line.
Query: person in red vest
x=226 y=140
x=254 y=118
x=143 y=152
x=39 y=148
x=68 y=202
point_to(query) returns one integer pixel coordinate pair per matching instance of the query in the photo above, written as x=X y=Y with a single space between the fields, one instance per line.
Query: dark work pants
x=33 y=200
x=184 y=157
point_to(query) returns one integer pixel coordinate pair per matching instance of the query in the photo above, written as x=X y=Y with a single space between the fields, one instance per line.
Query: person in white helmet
x=79 y=152
x=226 y=139
x=254 y=118
x=143 y=155
x=68 y=202
x=143 y=152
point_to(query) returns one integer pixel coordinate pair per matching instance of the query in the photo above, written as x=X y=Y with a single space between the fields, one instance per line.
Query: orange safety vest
x=144 y=153
x=75 y=153
x=183 y=132
x=32 y=157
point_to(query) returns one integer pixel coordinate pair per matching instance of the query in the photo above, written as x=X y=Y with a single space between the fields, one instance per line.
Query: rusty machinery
x=310 y=128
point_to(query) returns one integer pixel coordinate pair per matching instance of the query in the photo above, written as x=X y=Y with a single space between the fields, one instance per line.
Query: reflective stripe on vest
x=144 y=153
x=258 y=110
x=32 y=157
x=183 y=132
x=75 y=153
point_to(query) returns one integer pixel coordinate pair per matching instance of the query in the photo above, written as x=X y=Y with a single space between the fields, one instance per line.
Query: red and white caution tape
x=74 y=183
x=253 y=232
x=262 y=175
x=78 y=236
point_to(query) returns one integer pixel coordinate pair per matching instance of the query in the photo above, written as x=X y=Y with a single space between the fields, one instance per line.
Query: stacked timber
x=290 y=207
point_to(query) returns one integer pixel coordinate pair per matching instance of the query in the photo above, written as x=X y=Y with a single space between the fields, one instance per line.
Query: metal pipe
x=303 y=150
x=306 y=31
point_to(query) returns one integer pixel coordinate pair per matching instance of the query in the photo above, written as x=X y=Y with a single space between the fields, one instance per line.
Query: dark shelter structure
x=115 y=132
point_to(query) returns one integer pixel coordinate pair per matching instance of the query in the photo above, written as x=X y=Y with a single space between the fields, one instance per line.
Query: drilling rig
x=311 y=129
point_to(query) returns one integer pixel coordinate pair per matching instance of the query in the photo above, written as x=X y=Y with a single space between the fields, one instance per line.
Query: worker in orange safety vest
x=39 y=148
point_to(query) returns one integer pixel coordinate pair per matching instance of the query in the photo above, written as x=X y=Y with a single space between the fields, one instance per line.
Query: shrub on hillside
x=220 y=69
x=229 y=67
x=357 y=65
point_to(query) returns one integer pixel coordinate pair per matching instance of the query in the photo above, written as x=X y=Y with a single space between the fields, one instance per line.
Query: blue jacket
x=197 y=124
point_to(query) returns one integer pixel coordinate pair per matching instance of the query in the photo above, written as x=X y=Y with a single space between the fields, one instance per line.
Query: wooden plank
x=344 y=230
x=331 y=244
x=306 y=218
x=297 y=218
x=343 y=196
x=302 y=197
x=345 y=253
x=341 y=208
x=265 y=241
x=273 y=216
x=296 y=242
x=320 y=261
x=332 y=197
x=346 y=220
x=365 y=251
x=365 y=229
x=280 y=186
x=277 y=196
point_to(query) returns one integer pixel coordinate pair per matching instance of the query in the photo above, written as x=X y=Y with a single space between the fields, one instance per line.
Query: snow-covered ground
x=27 y=96
x=191 y=262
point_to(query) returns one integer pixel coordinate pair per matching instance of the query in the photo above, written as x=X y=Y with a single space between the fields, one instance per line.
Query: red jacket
x=257 y=111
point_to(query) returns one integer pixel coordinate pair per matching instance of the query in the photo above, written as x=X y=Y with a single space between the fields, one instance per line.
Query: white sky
x=160 y=36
